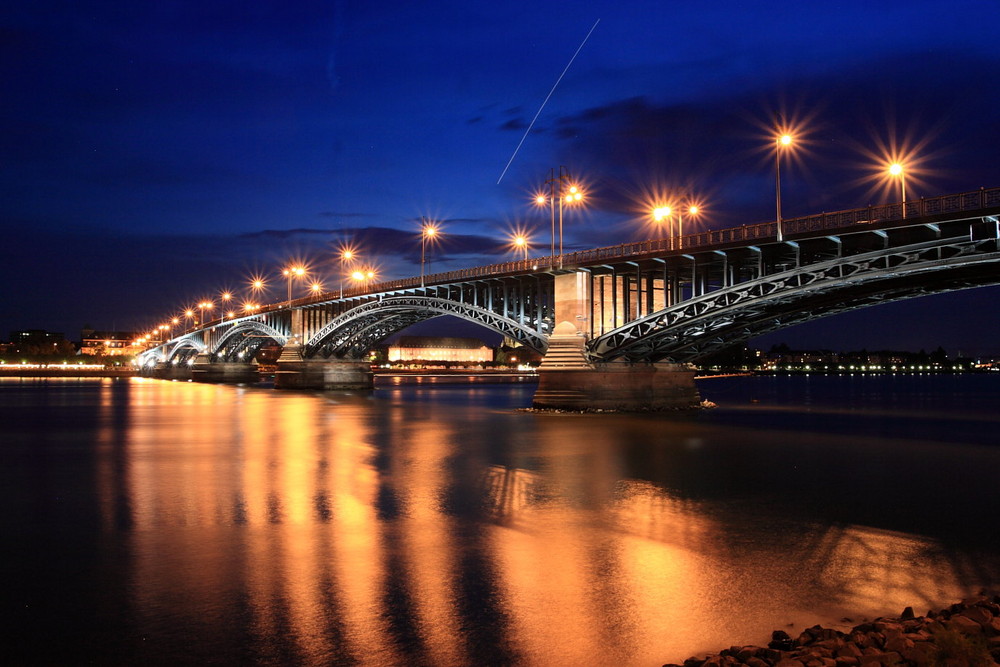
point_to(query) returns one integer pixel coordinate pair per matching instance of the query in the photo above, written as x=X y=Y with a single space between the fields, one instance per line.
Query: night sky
x=155 y=154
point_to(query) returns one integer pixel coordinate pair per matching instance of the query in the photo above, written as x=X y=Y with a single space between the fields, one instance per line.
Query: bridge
x=618 y=326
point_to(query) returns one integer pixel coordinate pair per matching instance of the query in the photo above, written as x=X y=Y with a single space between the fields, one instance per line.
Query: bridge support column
x=569 y=381
x=205 y=370
x=294 y=372
x=165 y=370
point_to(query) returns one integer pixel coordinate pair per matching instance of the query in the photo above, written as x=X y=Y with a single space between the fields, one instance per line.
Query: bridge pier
x=205 y=370
x=165 y=370
x=294 y=372
x=568 y=380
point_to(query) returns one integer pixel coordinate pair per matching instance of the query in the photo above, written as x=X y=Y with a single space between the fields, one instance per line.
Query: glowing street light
x=782 y=142
x=692 y=210
x=520 y=243
x=257 y=285
x=568 y=194
x=363 y=276
x=543 y=200
x=316 y=288
x=291 y=273
x=661 y=213
x=896 y=169
x=428 y=232
x=347 y=255
x=203 y=306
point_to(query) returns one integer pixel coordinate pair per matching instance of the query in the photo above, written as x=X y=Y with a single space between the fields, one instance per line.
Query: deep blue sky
x=156 y=153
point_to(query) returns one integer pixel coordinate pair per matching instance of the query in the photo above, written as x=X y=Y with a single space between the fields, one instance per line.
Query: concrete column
x=569 y=381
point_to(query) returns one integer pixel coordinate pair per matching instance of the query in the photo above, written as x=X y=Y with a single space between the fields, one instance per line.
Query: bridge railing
x=869 y=215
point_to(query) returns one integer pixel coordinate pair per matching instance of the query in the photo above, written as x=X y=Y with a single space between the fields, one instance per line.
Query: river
x=156 y=522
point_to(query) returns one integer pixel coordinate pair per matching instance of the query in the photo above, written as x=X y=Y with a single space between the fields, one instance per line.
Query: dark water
x=151 y=522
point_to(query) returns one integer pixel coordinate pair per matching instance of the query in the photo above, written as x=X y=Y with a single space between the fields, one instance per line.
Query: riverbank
x=966 y=634
x=67 y=371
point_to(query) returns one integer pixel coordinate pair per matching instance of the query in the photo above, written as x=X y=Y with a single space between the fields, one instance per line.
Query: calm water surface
x=160 y=522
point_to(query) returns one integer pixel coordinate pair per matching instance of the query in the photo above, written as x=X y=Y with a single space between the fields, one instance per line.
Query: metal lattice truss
x=354 y=332
x=706 y=324
x=241 y=342
x=177 y=350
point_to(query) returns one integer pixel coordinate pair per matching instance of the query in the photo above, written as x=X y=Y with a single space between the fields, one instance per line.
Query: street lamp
x=521 y=242
x=542 y=200
x=346 y=255
x=896 y=169
x=428 y=232
x=363 y=276
x=316 y=288
x=291 y=273
x=568 y=193
x=691 y=210
x=203 y=306
x=782 y=142
x=661 y=213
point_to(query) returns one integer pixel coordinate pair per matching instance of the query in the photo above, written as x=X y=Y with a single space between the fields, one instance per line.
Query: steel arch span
x=704 y=325
x=241 y=342
x=357 y=330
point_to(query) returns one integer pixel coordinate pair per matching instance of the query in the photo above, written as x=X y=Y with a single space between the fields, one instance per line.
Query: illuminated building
x=434 y=348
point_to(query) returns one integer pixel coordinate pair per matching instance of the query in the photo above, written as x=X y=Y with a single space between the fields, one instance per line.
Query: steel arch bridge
x=669 y=299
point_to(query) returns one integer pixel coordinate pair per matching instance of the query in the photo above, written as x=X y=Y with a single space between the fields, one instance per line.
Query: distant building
x=36 y=337
x=439 y=349
x=106 y=343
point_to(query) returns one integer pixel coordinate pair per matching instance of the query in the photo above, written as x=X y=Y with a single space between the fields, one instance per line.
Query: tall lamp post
x=346 y=255
x=782 y=142
x=661 y=213
x=566 y=193
x=692 y=210
x=428 y=233
x=291 y=273
x=896 y=169
x=520 y=242
x=203 y=306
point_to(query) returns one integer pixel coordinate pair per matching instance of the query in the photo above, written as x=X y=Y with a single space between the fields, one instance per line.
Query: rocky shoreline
x=966 y=634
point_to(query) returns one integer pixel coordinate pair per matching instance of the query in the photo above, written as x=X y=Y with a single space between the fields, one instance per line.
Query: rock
x=789 y=662
x=756 y=662
x=965 y=625
x=848 y=651
x=782 y=644
x=845 y=661
x=771 y=655
x=921 y=654
x=907 y=613
x=899 y=644
x=979 y=615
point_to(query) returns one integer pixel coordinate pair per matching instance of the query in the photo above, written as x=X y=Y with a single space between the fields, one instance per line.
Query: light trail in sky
x=539 y=112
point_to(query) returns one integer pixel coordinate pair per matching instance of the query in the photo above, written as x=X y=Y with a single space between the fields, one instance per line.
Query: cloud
x=514 y=124
x=718 y=147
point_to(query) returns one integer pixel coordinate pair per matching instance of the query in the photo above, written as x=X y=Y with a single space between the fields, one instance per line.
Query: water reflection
x=282 y=528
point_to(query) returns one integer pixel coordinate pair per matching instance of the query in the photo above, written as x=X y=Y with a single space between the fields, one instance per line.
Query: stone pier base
x=167 y=371
x=294 y=372
x=618 y=386
x=224 y=371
